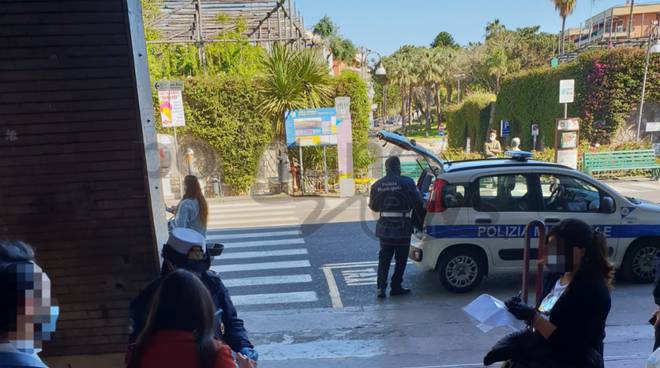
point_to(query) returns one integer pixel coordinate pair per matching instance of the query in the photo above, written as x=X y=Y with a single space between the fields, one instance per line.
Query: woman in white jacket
x=193 y=211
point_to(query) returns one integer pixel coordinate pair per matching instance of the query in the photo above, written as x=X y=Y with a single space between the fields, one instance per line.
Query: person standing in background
x=492 y=147
x=193 y=211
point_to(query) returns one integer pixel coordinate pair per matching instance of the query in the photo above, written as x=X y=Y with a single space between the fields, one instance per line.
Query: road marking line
x=250 y=225
x=252 y=204
x=264 y=243
x=243 y=214
x=278 y=298
x=267 y=280
x=356 y=264
x=647 y=185
x=360 y=276
x=266 y=234
x=335 y=297
x=267 y=253
x=224 y=268
x=279 y=220
x=607 y=358
x=366 y=263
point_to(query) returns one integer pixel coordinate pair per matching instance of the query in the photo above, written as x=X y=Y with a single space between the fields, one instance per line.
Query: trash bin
x=283 y=168
x=217 y=186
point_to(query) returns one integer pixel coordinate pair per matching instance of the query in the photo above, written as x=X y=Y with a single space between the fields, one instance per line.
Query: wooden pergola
x=205 y=21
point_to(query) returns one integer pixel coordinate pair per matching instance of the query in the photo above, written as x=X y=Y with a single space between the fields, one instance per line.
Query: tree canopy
x=342 y=48
x=444 y=39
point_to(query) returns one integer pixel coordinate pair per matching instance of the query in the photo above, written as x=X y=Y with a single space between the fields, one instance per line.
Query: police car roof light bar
x=519 y=155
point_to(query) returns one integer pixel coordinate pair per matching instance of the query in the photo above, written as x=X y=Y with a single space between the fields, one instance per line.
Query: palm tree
x=293 y=79
x=565 y=8
x=395 y=77
x=433 y=66
x=493 y=28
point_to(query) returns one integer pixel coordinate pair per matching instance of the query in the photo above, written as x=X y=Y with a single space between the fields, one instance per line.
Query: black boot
x=399 y=291
x=380 y=293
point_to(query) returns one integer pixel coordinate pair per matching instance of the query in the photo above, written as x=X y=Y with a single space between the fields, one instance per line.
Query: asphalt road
x=305 y=287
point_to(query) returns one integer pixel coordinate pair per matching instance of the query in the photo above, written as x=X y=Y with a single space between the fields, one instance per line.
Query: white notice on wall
x=566 y=91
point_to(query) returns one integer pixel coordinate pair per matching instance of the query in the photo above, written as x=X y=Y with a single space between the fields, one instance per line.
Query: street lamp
x=652 y=48
x=379 y=72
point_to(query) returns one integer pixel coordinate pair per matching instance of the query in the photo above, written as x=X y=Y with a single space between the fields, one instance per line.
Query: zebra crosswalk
x=262 y=265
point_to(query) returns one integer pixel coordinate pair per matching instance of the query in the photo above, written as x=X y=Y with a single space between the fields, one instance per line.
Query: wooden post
x=270 y=30
x=290 y=13
x=199 y=35
x=279 y=23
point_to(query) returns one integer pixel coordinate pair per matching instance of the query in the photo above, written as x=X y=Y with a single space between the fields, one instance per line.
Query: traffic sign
x=653 y=127
x=343 y=107
x=166 y=85
x=554 y=63
x=567 y=91
x=535 y=130
x=505 y=128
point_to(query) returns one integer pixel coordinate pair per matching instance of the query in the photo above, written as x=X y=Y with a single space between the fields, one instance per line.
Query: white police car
x=477 y=212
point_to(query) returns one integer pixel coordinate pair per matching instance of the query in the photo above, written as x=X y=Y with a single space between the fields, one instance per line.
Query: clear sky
x=384 y=25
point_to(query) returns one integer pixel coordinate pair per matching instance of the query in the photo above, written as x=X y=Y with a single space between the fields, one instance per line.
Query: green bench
x=621 y=161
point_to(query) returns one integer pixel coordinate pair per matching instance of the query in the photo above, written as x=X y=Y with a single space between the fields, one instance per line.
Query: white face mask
x=492 y=137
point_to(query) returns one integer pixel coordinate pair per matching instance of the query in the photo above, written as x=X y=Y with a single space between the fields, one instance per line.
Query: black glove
x=520 y=310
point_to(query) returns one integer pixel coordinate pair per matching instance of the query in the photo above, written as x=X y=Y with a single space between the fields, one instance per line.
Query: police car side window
x=502 y=193
x=568 y=194
x=453 y=195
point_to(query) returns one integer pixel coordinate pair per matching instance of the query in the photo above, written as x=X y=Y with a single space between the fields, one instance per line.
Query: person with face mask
x=492 y=147
x=185 y=249
x=568 y=327
x=398 y=202
x=28 y=315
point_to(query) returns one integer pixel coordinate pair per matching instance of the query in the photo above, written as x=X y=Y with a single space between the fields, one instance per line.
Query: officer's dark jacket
x=395 y=193
x=234 y=331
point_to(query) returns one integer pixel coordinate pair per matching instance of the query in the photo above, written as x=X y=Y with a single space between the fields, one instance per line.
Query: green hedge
x=469 y=119
x=608 y=88
x=223 y=111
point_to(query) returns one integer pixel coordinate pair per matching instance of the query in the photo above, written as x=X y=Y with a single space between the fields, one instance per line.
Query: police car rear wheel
x=639 y=263
x=461 y=270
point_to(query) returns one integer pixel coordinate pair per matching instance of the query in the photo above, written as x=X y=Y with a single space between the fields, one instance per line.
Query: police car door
x=568 y=196
x=503 y=204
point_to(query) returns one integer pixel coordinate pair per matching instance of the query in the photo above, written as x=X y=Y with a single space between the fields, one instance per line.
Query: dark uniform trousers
x=388 y=250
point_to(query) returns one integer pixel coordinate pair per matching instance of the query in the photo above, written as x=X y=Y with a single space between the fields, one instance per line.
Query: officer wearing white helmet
x=185 y=249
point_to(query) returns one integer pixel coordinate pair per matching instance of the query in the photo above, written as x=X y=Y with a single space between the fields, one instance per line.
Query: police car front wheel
x=461 y=269
x=639 y=262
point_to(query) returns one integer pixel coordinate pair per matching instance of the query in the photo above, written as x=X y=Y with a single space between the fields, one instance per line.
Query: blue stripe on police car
x=518 y=231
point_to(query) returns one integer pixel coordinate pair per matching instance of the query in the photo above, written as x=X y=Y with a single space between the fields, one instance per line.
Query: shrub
x=469 y=119
x=223 y=111
x=607 y=89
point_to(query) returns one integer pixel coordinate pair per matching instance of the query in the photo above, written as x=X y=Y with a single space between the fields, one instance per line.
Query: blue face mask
x=49 y=326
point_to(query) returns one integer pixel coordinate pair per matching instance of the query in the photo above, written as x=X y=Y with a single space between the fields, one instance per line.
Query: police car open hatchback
x=477 y=212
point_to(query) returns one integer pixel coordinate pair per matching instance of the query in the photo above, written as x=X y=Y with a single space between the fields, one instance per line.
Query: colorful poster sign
x=170 y=102
x=311 y=127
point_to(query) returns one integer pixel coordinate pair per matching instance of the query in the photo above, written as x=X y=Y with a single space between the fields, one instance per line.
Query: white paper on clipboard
x=488 y=312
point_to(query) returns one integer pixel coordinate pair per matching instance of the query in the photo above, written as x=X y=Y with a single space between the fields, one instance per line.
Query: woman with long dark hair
x=568 y=327
x=179 y=330
x=193 y=211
